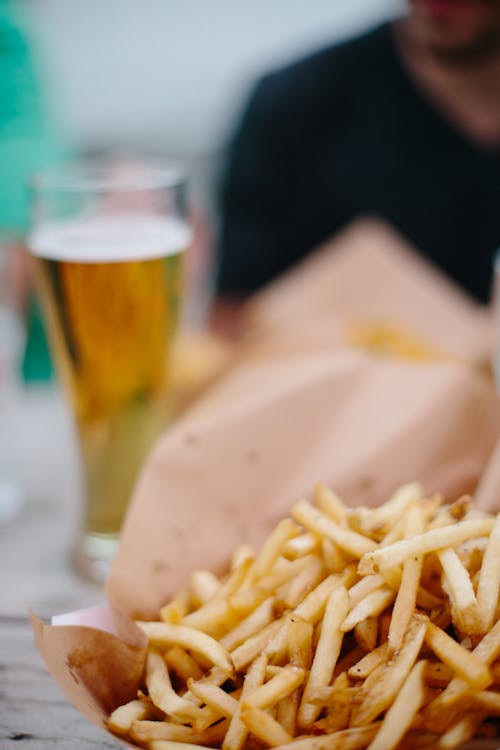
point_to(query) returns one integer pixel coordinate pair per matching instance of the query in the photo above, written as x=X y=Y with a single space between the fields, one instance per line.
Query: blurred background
x=170 y=76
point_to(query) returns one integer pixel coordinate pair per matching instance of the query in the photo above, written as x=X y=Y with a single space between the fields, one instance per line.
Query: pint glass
x=109 y=244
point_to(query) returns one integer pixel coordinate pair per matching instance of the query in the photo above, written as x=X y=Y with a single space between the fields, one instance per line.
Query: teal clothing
x=28 y=142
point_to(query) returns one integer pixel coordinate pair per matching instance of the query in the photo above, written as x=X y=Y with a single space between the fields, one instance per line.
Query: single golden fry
x=162 y=634
x=179 y=661
x=145 y=732
x=254 y=623
x=461 y=661
x=272 y=548
x=237 y=732
x=277 y=688
x=263 y=726
x=161 y=691
x=402 y=712
x=404 y=606
x=327 y=653
x=330 y=504
x=460 y=591
x=365 y=634
x=365 y=666
x=204 y=585
x=489 y=579
x=122 y=718
x=429 y=541
x=393 y=675
x=301 y=545
x=371 y=606
x=215 y=697
x=349 y=541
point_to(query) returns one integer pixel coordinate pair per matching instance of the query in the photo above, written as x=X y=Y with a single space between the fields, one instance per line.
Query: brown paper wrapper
x=368 y=275
x=284 y=418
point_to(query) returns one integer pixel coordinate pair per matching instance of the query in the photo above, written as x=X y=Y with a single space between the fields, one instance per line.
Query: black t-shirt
x=344 y=133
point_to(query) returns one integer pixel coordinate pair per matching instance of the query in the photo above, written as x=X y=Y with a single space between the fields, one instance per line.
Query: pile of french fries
x=350 y=628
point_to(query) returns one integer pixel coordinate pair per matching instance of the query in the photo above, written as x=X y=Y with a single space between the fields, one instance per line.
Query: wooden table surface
x=35 y=573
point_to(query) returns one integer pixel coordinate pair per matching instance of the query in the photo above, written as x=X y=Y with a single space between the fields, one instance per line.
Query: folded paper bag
x=368 y=275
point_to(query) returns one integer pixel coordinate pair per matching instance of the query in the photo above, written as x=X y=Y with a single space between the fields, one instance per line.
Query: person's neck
x=467 y=91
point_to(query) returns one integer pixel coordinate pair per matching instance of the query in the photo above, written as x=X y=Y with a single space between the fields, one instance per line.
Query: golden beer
x=110 y=290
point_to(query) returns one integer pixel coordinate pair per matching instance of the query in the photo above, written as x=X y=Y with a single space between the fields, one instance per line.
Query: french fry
x=394 y=674
x=401 y=713
x=348 y=739
x=161 y=691
x=145 y=732
x=429 y=541
x=406 y=597
x=368 y=663
x=122 y=718
x=163 y=634
x=461 y=661
x=252 y=647
x=334 y=560
x=254 y=623
x=349 y=541
x=365 y=633
x=272 y=548
x=204 y=585
x=371 y=606
x=459 y=587
x=330 y=504
x=301 y=545
x=277 y=688
x=215 y=697
x=460 y=732
x=384 y=517
x=327 y=653
x=183 y=664
x=303 y=583
x=237 y=732
x=263 y=726
x=339 y=705
x=489 y=579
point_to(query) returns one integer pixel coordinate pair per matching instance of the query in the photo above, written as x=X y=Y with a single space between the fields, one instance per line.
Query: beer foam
x=110 y=239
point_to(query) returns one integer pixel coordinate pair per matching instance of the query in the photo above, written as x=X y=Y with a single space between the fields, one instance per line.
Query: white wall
x=170 y=75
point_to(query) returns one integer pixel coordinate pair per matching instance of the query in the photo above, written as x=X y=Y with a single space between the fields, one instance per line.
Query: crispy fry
x=263 y=726
x=463 y=662
x=122 y=718
x=394 y=674
x=237 y=732
x=371 y=606
x=327 y=653
x=489 y=579
x=402 y=712
x=215 y=697
x=349 y=541
x=254 y=623
x=301 y=545
x=406 y=597
x=429 y=541
x=149 y=731
x=365 y=633
x=464 y=608
x=204 y=585
x=285 y=530
x=330 y=503
x=163 y=634
x=183 y=664
x=277 y=688
x=368 y=663
x=161 y=691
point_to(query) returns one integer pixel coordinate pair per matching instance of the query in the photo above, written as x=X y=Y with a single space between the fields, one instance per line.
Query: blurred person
x=402 y=122
x=28 y=141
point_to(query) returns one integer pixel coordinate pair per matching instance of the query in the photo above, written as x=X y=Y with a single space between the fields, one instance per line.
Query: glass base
x=94 y=554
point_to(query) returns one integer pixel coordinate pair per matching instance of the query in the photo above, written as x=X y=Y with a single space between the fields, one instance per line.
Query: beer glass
x=109 y=242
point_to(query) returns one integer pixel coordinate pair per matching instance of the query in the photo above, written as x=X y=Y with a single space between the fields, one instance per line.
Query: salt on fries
x=351 y=628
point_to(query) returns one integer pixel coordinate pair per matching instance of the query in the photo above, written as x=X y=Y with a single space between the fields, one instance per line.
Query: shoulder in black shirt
x=343 y=133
